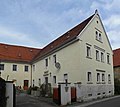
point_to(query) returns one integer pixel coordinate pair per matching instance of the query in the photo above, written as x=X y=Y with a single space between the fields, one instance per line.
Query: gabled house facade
x=81 y=55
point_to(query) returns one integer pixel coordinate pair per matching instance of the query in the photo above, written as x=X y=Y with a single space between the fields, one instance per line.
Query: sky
x=35 y=23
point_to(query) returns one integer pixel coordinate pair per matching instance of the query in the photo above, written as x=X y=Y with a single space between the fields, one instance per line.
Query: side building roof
x=14 y=53
x=116 y=57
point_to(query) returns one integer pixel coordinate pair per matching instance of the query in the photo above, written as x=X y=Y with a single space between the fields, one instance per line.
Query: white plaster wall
x=20 y=75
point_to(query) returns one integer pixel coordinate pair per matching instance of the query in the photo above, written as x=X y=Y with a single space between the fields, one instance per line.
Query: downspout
x=31 y=75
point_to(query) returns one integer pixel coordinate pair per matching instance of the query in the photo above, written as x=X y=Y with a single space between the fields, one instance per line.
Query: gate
x=73 y=94
x=2 y=93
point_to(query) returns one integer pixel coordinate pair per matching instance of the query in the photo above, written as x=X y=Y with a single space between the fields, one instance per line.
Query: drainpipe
x=31 y=75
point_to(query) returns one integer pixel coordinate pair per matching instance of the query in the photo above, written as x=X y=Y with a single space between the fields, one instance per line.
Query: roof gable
x=68 y=36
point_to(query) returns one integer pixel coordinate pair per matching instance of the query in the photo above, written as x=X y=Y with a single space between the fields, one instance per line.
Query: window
x=1 y=66
x=33 y=67
x=103 y=77
x=98 y=77
x=46 y=62
x=88 y=51
x=96 y=35
x=102 y=57
x=14 y=67
x=108 y=58
x=54 y=79
x=109 y=78
x=26 y=68
x=97 y=55
x=100 y=37
x=54 y=58
x=89 y=76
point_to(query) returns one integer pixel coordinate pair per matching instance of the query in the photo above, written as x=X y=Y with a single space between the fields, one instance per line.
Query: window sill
x=109 y=82
x=89 y=82
x=88 y=57
x=103 y=82
x=99 y=40
x=98 y=82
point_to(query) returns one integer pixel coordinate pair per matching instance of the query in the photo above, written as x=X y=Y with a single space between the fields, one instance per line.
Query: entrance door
x=26 y=84
x=46 y=85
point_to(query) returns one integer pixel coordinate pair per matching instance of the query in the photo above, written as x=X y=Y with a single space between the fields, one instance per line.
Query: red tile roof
x=17 y=53
x=27 y=54
x=116 y=57
x=68 y=36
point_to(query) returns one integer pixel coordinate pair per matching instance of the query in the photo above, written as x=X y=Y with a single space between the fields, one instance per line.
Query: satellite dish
x=57 y=65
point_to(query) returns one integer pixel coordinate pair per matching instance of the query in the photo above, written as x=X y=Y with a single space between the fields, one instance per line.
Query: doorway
x=26 y=84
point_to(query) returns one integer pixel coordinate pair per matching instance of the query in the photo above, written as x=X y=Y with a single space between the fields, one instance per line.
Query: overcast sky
x=38 y=22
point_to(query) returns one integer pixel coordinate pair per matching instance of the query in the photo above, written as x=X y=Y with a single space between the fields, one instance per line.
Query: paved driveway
x=23 y=100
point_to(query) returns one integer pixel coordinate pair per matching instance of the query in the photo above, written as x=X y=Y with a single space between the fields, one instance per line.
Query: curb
x=97 y=101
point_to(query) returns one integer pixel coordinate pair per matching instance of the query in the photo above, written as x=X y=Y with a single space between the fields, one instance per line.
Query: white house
x=81 y=55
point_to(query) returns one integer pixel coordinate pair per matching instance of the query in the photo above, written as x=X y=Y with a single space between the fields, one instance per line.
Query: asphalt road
x=24 y=100
x=115 y=102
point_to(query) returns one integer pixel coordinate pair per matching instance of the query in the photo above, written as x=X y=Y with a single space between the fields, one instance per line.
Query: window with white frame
x=98 y=36
x=1 y=66
x=108 y=58
x=26 y=68
x=88 y=51
x=54 y=79
x=102 y=57
x=54 y=58
x=97 y=55
x=46 y=62
x=103 y=77
x=14 y=67
x=89 y=76
x=98 y=77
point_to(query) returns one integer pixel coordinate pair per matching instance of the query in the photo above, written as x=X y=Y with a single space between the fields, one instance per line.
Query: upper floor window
x=89 y=76
x=98 y=36
x=46 y=62
x=14 y=67
x=102 y=57
x=1 y=66
x=54 y=58
x=108 y=58
x=26 y=68
x=97 y=55
x=98 y=77
x=88 y=51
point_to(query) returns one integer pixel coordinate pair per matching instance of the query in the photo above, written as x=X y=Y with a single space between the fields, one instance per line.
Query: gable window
x=89 y=76
x=98 y=77
x=1 y=66
x=14 y=67
x=46 y=62
x=88 y=51
x=96 y=35
x=54 y=79
x=97 y=55
x=26 y=68
x=102 y=57
x=54 y=58
x=103 y=77
x=108 y=58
